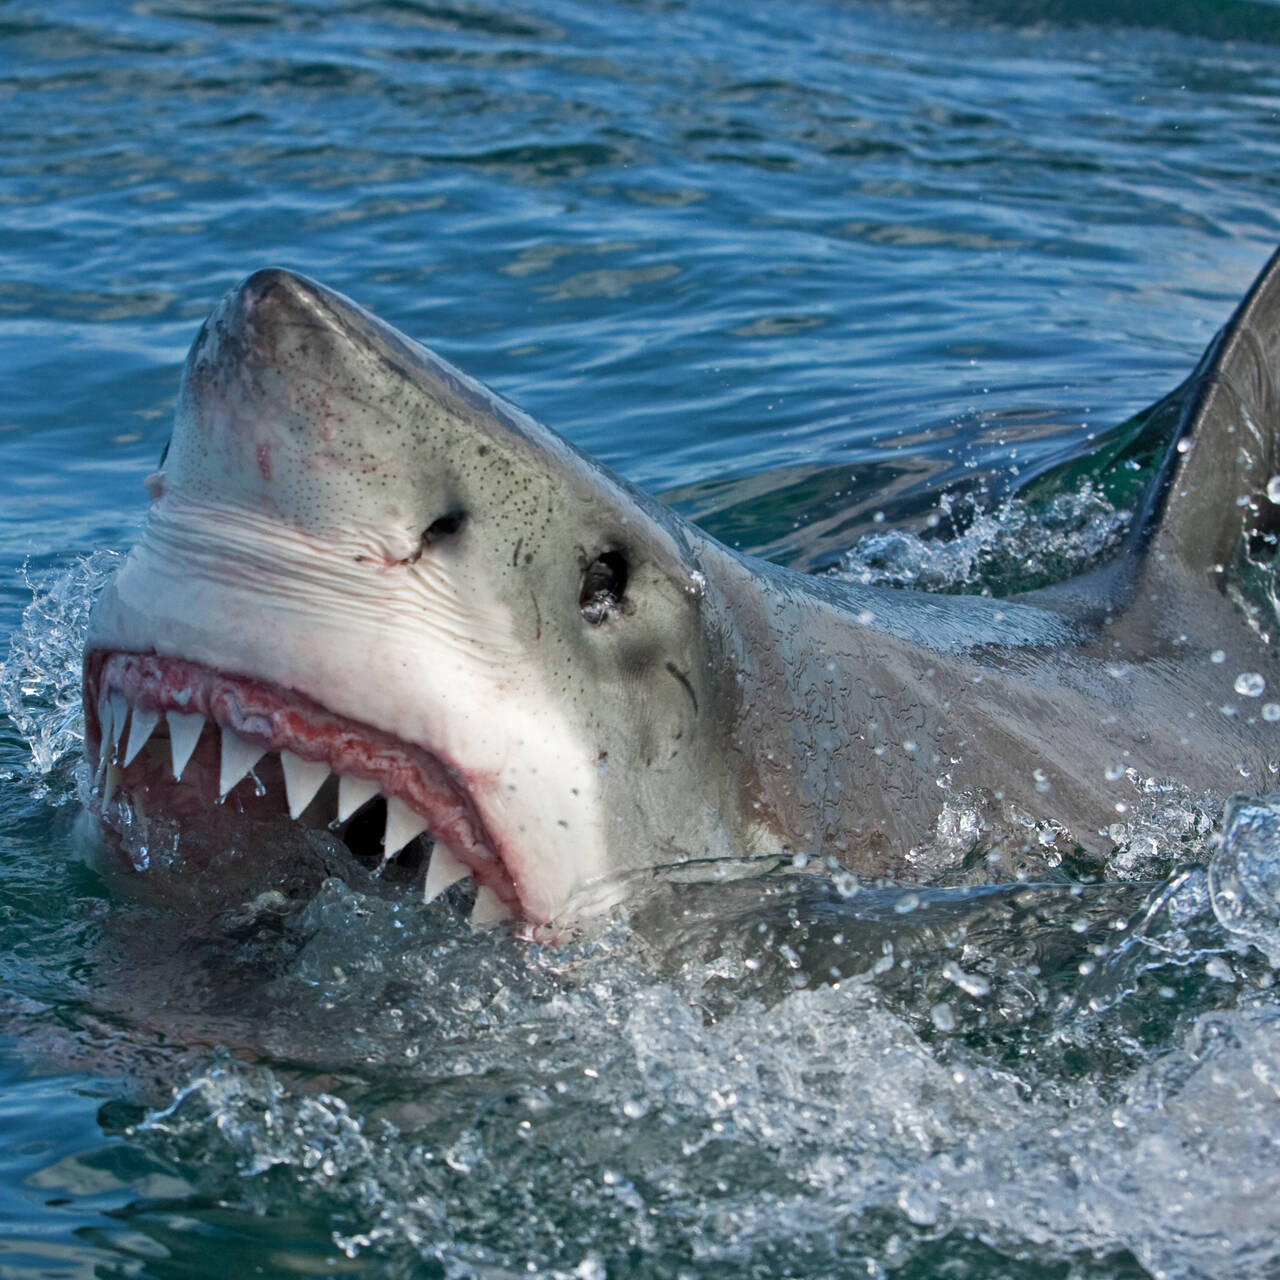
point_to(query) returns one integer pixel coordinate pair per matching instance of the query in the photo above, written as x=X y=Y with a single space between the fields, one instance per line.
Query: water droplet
x=919 y=1205
x=1114 y=772
x=973 y=984
x=1249 y=684
x=1271 y=711
x=1273 y=489
x=846 y=883
x=943 y=1017
x=1218 y=656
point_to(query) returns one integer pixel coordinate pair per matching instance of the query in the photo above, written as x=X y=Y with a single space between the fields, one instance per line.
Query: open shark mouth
x=175 y=737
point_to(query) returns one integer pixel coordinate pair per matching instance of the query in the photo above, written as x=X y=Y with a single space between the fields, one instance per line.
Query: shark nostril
x=443 y=527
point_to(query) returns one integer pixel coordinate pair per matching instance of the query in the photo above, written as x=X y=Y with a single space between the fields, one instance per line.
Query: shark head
x=367 y=585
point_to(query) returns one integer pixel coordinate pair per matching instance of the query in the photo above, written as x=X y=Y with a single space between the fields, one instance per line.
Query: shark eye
x=443 y=526
x=603 y=586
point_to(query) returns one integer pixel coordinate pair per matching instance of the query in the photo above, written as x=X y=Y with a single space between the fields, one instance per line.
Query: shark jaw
x=223 y=679
x=173 y=736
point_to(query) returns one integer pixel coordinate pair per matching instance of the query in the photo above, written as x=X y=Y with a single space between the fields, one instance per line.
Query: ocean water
x=831 y=276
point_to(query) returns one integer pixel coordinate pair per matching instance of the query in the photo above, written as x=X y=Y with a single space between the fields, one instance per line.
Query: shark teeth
x=184 y=733
x=302 y=779
x=353 y=793
x=119 y=709
x=444 y=870
x=125 y=730
x=106 y=718
x=141 y=728
x=238 y=757
x=403 y=824
x=489 y=909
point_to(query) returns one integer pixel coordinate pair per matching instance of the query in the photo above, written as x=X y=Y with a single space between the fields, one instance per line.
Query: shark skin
x=369 y=586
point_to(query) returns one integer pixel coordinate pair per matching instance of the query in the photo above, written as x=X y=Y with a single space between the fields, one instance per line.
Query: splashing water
x=1244 y=876
x=788 y=1075
x=1018 y=1087
x=1164 y=827
x=40 y=677
x=1015 y=546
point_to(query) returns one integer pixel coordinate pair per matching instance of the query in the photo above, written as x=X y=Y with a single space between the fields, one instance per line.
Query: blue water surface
x=799 y=267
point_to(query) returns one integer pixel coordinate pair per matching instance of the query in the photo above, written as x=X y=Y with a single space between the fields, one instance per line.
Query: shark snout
x=301 y=407
x=286 y=286
x=276 y=317
x=297 y=404
x=245 y=328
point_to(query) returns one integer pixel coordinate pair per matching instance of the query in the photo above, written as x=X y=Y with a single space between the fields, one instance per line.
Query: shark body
x=370 y=592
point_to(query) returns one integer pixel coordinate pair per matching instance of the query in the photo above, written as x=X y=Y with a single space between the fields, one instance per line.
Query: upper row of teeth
x=302 y=780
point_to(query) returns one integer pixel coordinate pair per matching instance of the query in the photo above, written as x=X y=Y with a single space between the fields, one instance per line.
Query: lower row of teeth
x=302 y=780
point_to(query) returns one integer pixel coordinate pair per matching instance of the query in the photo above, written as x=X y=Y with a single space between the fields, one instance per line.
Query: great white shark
x=371 y=592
